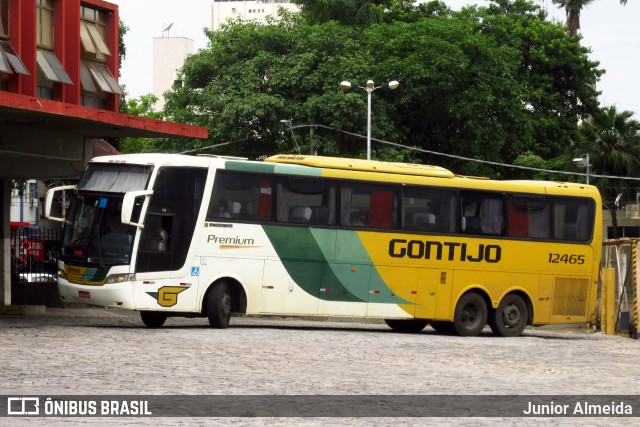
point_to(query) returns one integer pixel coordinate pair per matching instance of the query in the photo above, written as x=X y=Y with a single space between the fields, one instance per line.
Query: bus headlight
x=119 y=278
x=62 y=274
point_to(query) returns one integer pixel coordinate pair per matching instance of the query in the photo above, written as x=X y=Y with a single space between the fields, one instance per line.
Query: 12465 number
x=566 y=259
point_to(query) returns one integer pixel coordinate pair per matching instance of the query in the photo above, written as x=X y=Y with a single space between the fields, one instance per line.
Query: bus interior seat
x=470 y=224
x=300 y=214
x=424 y=221
x=357 y=218
x=234 y=208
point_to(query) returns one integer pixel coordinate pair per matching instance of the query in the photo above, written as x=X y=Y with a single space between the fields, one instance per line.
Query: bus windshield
x=94 y=233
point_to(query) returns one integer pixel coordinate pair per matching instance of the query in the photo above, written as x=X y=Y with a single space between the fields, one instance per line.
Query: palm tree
x=573 y=9
x=612 y=140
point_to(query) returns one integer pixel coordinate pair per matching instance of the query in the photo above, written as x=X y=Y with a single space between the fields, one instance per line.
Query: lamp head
x=581 y=162
x=393 y=85
x=370 y=84
x=345 y=86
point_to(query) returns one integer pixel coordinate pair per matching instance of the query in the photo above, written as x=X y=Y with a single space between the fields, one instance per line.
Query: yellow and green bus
x=294 y=235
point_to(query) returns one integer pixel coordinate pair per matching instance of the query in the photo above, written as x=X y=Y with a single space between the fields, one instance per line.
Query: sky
x=611 y=32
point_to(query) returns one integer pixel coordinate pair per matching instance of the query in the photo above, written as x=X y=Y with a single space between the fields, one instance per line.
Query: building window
x=45 y=24
x=50 y=70
x=51 y=67
x=93 y=31
x=92 y=40
x=9 y=60
x=91 y=72
x=95 y=77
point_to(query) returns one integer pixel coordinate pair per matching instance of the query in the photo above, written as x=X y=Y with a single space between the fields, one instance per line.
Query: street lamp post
x=369 y=87
x=583 y=162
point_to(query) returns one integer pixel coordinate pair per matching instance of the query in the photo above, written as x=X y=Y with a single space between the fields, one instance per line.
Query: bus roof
x=362 y=165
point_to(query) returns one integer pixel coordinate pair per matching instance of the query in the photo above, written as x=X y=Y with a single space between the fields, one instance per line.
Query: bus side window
x=482 y=213
x=368 y=205
x=572 y=219
x=430 y=209
x=303 y=200
x=529 y=216
x=240 y=196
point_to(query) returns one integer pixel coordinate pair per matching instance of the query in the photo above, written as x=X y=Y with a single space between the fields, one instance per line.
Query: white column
x=5 y=243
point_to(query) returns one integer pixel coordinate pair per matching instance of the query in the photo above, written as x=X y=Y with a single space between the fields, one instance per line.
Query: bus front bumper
x=110 y=295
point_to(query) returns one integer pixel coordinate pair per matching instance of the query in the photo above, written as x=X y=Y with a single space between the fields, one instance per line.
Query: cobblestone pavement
x=110 y=352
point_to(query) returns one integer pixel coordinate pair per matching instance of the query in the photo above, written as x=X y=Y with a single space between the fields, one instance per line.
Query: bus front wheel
x=471 y=315
x=409 y=325
x=219 y=306
x=153 y=319
x=510 y=318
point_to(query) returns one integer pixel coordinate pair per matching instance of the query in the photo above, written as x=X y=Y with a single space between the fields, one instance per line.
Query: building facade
x=61 y=50
x=169 y=54
x=59 y=94
x=257 y=10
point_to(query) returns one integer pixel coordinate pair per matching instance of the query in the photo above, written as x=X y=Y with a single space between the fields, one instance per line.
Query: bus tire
x=510 y=318
x=443 y=328
x=471 y=315
x=409 y=325
x=153 y=319
x=219 y=306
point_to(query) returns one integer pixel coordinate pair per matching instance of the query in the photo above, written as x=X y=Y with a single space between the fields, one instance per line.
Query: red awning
x=103 y=148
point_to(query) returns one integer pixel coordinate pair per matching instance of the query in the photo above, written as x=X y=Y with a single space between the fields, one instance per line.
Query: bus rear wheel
x=153 y=319
x=219 y=306
x=409 y=325
x=471 y=315
x=510 y=318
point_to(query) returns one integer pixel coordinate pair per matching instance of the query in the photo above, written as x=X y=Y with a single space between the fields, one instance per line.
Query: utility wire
x=422 y=150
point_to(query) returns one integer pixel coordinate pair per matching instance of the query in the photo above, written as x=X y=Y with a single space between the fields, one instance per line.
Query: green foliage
x=346 y=12
x=488 y=83
x=611 y=138
x=122 y=48
x=143 y=107
x=530 y=160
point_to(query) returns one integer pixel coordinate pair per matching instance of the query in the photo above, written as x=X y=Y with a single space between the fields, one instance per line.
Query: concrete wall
x=169 y=54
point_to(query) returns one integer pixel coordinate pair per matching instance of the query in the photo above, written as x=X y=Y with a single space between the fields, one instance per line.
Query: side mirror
x=49 y=201
x=129 y=205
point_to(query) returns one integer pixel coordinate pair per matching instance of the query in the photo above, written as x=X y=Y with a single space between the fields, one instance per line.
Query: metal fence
x=619 y=294
x=34 y=253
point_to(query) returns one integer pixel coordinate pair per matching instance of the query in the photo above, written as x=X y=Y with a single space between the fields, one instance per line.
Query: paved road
x=110 y=352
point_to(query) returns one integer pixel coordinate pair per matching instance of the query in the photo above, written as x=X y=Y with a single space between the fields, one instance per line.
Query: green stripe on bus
x=309 y=256
x=261 y=167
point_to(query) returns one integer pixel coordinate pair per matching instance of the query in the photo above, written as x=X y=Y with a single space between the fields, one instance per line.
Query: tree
x=346 y=12
x=143 y=107
x=122 y=48
x=612 y=140
x=489 y=83
x=573 y=8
